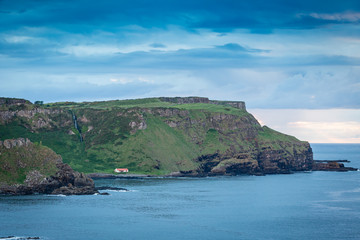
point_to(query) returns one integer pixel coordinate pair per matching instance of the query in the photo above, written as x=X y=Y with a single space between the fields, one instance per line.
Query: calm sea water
x=315 y=205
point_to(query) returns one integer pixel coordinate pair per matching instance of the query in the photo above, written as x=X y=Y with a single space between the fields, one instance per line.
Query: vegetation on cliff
x=157 y=136
x=19 y=156
x=27 y=168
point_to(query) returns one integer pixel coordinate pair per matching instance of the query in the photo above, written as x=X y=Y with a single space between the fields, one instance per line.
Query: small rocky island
x=28 y=168
x=332 y=165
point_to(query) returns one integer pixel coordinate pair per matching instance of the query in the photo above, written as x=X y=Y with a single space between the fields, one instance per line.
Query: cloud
x=259 y=16
x=121 y=80
x=18 y=39
x=333 y=132
x=157 y=45
x=329 y=126
x=261 y=81
x=130 y=80
x=89 y=50
x=336 y=17
x=319 y=88
x=74 y=88
x=270 y=54
x=238 y=48
x=316 y=126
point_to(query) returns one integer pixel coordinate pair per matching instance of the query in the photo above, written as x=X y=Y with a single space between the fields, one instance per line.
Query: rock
x=71 y=190
x=111 y=188
x=19 y=238
x=101 y=176
x=82 y=181
x=138 y=125
x=65 y=180
x=113 y=176
x=189 y=100
x=174 y=174
x=90 y=128
x=70 y=132
x=7 y=116
x=19 y=142
x=34 y=177
x=331 y=166
x=185 y=100
x=68 y=182
x=13 y=101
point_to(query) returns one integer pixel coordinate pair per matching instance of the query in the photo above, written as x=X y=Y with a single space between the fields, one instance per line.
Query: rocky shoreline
x=65 y=181
x=318 y=165
x=69 y=182
x=95 y=176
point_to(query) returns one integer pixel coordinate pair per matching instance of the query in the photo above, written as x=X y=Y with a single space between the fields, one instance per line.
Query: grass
x=158 y=149
x=110 y=144
x=212 y=108
x=213 y=143
x=147 y=103
x=268 y=134
x=16 y=162
x=269 y=138
x=68 y=146
x=139 y=103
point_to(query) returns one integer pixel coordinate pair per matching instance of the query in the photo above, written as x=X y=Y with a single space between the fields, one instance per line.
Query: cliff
x=179 y=136
x=27 y=168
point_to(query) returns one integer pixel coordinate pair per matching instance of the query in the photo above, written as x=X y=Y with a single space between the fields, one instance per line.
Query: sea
x=304 y=205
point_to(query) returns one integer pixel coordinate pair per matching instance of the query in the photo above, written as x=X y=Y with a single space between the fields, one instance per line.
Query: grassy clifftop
x=155 y=136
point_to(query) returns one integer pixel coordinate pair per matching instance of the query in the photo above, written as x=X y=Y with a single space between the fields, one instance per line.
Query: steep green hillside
x=156 y=136
x=19 y=156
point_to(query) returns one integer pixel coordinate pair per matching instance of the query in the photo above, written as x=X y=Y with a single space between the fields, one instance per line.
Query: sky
x=298 y=59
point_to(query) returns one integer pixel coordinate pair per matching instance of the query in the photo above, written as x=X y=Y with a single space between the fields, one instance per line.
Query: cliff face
x=188 y=100
x=27 y=168
x=14 y=104
x=186 y=136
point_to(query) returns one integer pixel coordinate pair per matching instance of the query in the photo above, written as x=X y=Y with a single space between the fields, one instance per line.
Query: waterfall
x=76 y=125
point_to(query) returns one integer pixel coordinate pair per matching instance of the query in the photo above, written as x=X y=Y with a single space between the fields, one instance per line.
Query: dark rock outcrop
x=185 y=100
x=331 y=166
x=111 y=188
x=261 y=162
x=189 y=100
x=13 y=101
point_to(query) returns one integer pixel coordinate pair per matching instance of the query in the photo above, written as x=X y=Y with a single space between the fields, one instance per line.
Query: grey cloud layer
x=209 y=48
x=222 y=15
